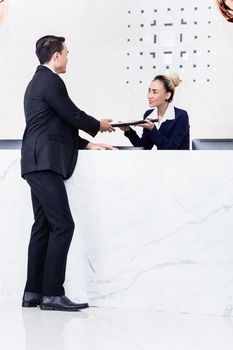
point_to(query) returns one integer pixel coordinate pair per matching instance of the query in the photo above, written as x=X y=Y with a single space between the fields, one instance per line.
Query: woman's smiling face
x=226 y=8
x=3 y=10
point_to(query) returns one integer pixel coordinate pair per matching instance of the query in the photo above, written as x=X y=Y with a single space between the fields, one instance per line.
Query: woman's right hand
x=125 y=128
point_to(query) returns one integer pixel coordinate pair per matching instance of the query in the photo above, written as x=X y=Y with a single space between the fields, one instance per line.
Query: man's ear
x=55 y=56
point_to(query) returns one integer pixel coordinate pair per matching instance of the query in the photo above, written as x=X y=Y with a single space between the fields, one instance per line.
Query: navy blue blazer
x=172 y=134
x=51 y=138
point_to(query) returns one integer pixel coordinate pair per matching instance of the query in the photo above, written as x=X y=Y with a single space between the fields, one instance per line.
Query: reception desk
x=154 y=230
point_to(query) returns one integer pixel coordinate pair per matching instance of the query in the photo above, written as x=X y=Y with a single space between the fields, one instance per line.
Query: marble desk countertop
x=154 y=230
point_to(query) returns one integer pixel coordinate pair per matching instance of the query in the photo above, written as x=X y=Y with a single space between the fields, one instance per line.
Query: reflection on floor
x=111 y=329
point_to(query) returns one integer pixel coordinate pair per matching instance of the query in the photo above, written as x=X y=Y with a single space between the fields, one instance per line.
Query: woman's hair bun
x=175 y=79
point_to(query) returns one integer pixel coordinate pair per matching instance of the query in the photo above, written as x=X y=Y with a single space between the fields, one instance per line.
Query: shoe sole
x=54 y=308
x=29 y=304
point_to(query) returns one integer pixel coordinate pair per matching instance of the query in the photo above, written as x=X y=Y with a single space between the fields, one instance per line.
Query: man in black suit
x=49 y=153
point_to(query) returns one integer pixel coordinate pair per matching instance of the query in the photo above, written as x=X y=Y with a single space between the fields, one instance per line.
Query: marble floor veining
x=111 y=329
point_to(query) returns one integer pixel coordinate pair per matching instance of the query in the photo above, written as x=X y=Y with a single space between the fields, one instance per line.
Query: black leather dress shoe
x=60 y=303
x=31 y=299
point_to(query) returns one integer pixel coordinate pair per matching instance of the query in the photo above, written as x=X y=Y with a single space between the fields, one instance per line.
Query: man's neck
x=50 y=67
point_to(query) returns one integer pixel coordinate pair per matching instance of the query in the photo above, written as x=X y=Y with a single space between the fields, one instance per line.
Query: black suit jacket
x=51 y=138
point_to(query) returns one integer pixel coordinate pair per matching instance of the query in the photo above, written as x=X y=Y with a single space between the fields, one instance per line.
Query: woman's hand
x=125 y=128
x=147 y=125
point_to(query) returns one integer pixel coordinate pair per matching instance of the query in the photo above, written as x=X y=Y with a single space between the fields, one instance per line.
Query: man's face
x=61 y=60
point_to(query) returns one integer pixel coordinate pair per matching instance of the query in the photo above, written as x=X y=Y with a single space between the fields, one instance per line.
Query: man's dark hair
x=47 y=46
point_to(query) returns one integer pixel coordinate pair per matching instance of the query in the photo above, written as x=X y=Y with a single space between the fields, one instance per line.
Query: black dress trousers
x=51 y=234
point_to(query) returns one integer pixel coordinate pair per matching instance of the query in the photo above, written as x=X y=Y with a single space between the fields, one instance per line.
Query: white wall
x=97 y=34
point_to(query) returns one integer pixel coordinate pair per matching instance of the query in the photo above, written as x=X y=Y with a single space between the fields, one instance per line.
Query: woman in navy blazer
x=171 y=132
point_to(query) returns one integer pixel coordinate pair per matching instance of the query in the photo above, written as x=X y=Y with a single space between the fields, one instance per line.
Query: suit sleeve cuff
x=82 y=143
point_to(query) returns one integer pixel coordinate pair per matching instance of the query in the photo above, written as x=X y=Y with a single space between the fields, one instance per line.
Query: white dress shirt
x=169 y=115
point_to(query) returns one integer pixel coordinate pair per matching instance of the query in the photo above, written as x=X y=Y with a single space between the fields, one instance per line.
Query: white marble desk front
x=154 y=230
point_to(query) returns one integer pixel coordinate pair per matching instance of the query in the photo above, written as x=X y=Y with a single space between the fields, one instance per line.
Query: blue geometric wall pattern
x=165 y=39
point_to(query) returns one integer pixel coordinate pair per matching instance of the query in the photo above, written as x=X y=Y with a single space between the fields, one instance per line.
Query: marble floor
x=111 y=329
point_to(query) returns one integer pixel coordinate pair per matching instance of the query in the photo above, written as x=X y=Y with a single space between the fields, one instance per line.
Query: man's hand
x=105 y=125
x=100 y=146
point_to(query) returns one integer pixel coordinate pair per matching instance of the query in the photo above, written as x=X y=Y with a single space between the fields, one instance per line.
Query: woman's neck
x=161 y=110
